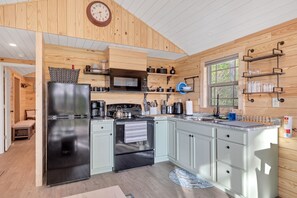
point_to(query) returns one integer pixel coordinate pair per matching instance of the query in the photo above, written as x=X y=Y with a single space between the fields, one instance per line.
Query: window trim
x=207 y=65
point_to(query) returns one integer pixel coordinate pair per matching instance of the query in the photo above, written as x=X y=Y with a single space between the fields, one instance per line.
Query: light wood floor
x=17 y=179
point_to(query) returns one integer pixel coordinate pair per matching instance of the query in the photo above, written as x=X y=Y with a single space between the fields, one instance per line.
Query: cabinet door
x=203 y=155
x=102 y=151
x=184 y=154
x=171 y=140
x=161 y=138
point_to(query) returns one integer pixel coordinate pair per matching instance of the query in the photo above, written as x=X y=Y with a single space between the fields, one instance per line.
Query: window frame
x=223 y=84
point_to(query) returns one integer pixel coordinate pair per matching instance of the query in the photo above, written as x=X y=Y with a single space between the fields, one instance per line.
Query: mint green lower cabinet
x=101 y=148
x=184 y=148
x=171 y=140
x=161 y=141
x=203 y=149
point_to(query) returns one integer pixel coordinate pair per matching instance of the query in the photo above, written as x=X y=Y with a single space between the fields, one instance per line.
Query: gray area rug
x=188 y=180
x=129 y=196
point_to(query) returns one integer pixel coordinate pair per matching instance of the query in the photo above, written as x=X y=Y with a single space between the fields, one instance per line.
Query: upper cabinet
x=127 y=59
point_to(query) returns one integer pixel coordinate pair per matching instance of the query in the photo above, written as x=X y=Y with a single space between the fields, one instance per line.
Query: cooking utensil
x=170 y=89
x=162 y=70
x=172 y=71
x=169 y=109
x=118 y=113
x=150 y=69
x=160 y=89
x=180 y=86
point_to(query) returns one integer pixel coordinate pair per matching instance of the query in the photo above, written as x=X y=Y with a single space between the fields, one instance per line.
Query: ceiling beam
x=18 y=61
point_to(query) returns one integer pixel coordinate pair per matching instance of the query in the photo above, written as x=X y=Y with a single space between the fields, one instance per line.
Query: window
x=223 y=81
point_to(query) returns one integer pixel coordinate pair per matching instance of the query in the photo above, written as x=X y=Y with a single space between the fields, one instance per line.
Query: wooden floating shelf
x=100 y=72
x=260 y=75
x=155 y=92
x=259 y=93
x=159 y=74
x=251 y=59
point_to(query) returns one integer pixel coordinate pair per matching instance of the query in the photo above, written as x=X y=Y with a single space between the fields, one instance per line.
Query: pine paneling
x=42 y=19
x=21 y=17
x=52 y=16
x=57 y=56
x=9 y=15
x=1 y=15
x=62 y=17
x=68 y=17
x=262 y=42
x=126 y=59
x=32 y=16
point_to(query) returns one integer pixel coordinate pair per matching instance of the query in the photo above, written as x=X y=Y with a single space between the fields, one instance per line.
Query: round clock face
x=99 y=13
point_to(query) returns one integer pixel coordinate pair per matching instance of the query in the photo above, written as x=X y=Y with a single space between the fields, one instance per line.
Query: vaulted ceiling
x=198 y=25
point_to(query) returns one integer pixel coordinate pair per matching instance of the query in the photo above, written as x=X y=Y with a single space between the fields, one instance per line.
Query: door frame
x=2 y=124
x=2 y=127
x=7 y=103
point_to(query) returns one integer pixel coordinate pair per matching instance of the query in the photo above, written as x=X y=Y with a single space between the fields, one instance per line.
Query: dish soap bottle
x=172 y=71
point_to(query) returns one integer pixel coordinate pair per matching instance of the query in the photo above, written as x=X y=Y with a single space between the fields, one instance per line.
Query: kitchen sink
x=207 y=119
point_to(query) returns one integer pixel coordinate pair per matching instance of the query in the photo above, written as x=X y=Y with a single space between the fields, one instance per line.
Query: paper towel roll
x=189 y=107
x=288 y=123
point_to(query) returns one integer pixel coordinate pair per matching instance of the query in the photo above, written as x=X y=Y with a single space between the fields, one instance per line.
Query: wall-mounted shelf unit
x=169 y=76
x=168 y=94
x=277 y=71
x=193 y=82
x=97 y=72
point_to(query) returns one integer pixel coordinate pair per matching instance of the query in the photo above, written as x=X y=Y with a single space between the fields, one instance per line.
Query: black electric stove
x=134 y=137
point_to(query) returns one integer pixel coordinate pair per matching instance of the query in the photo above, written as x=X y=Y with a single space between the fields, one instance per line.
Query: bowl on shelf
x=187 y=88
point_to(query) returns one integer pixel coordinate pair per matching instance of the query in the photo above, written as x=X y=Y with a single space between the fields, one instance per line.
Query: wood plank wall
x=262 y=42
x=119 y=58
x=27 y=95
x=68 y=17
x=64 y=57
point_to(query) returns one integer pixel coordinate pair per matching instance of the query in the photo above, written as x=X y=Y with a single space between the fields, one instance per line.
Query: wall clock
x=99 y=13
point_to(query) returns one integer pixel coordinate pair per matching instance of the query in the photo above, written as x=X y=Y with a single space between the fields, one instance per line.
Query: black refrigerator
x=68 y=132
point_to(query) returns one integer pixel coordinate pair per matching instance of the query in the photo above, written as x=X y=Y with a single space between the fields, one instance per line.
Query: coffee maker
x=178 y=108
x=97 y=108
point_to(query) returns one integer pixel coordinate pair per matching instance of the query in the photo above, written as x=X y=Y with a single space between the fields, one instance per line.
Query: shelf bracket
x=145 y=96
x=167 y=97
x=168 y=79
x=251 y=100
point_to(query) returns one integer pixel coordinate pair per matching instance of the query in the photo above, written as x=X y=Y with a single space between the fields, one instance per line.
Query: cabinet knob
x=227 y=171
x=228 y=136
x=110 y=134
x=227 y=147
x=189 y=135
x=157 y=122
x=192 y=136
x=101 y=127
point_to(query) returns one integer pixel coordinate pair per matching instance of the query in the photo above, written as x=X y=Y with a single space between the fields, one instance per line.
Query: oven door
x=134 y=136
x=127 y=80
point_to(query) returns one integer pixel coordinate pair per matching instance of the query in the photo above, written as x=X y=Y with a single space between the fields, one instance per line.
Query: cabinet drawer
x=231 y=135
x=195 y=128
x=231 y=153
x=232 y=178
x=101 y=126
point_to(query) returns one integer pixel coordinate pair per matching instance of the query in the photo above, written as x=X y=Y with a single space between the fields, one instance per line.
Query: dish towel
x=135 y=131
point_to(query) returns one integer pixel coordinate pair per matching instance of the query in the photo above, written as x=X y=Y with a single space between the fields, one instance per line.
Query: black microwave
x=128 y=80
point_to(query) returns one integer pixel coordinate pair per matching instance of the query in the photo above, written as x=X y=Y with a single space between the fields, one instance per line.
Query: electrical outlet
x=275 y=102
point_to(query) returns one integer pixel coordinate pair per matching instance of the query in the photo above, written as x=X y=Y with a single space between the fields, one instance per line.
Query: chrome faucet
x=216 y=113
